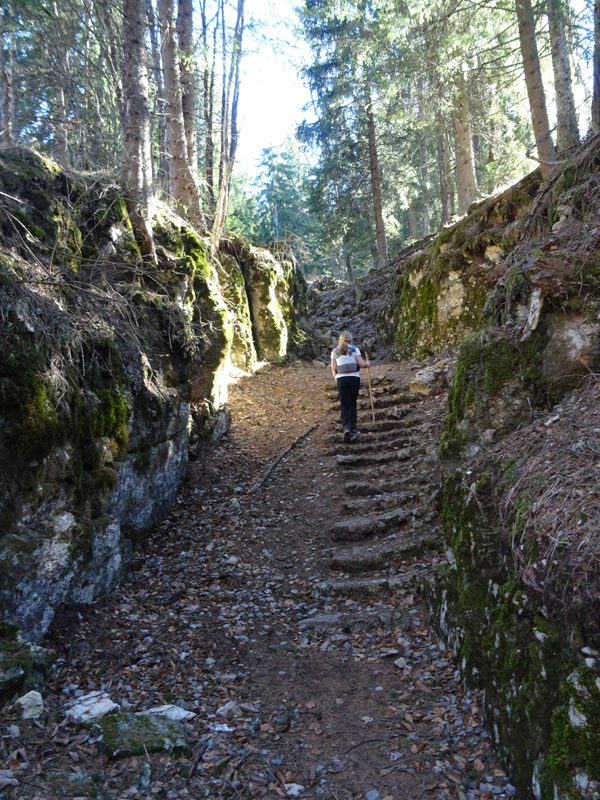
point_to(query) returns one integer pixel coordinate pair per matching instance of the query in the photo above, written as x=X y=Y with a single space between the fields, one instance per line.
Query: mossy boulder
x=517 y=602
x=438 y=307
x=243 y=351
x=498 y=380
x=96 y=356
x=105 y=362
x=136 y=734
x=59 y=215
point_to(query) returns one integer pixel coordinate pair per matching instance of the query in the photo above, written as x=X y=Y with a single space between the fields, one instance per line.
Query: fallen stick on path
x=280 y=458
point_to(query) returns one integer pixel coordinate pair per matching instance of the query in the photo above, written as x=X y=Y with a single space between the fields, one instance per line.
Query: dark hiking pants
x=348 y=392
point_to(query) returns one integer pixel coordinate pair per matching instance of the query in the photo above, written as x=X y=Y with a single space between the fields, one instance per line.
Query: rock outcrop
x=105 y=364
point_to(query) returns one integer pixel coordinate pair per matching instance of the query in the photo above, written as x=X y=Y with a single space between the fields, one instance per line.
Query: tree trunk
x=229 y=140
x=596 y=90
x=445 y=173
x=137 y=168
x=348 y=260
x=275 y=213
x=7 y=108
x=382 y=257
x=185 y=39
x=158 y=122
x=109 y=43
x=413 y=228
x=567 y=131
x=535 y=88
x=424 y=188
x=208 y=105
x=467 y=188
x=61 y=139
x=183 y=188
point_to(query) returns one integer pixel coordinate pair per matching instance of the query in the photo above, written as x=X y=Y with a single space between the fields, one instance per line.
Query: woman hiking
x=346 y=360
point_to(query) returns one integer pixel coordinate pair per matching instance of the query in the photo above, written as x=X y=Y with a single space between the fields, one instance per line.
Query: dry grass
x=553 y=505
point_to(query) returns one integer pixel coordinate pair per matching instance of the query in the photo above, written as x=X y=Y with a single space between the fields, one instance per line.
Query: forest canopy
x=418 y=110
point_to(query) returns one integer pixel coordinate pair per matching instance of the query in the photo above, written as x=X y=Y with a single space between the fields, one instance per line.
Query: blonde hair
x=344 y=341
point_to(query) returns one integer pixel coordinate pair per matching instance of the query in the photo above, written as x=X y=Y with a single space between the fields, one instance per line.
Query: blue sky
x=272 y=94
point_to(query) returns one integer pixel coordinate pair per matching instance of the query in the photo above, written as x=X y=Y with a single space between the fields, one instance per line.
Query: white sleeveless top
x=345 y=361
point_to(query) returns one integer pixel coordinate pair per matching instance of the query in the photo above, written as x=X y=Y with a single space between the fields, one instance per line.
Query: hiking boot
x=354 y=436
x=347 y=436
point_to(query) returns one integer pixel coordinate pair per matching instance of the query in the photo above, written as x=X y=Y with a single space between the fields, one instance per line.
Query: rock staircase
x=387 y=523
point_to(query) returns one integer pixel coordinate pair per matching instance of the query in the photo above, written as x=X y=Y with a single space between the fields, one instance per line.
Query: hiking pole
x=370 y=390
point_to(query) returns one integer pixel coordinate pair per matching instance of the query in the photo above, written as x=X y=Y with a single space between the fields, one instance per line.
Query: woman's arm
x=333 y=365
x=361 y=362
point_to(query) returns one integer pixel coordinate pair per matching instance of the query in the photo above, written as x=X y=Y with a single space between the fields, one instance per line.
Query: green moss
x=111 y=416
x=575 y=748
x=518 y=656
x=418 y=323
x=131 y=734
x=8 y=632
x=28 y=416
x=487 y=363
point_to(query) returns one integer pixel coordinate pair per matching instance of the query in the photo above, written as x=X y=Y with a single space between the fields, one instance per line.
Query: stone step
x=381 y=414
x=390 y=424
x=396 y=472
x=357 y=529
x=373 y=459
x=379 y=401
x=382 y=617
x=409 y=427
x=362 y=446
x=368 y=588
x=363 y=405
x=379 y=501
x=355 y=488
x=381 y=554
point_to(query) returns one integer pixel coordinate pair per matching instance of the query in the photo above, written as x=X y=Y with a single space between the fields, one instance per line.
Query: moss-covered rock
x=497 y=383
x=541 y=693
x=277 y=298
x=442 y=291
x=22 y=666
x=105 y=361
x=135 y=734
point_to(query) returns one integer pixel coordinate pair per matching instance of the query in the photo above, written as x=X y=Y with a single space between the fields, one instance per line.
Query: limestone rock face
x=105 y=364
x=572 y=350
x=276 y=297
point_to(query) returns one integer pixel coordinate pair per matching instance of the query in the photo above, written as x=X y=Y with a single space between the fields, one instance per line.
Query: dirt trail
x=285 y=615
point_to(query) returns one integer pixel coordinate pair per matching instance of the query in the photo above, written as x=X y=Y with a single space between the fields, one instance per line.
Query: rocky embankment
x=107 y=364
